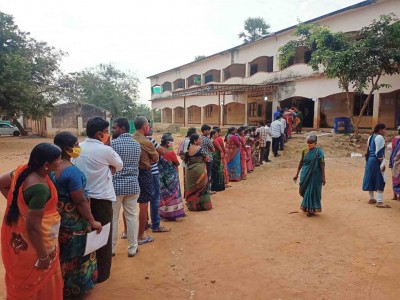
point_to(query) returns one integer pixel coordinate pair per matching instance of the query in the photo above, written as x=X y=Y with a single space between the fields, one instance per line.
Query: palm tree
x=254 y=29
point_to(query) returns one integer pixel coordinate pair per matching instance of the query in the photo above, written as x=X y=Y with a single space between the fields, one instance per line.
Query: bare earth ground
x=255 y=243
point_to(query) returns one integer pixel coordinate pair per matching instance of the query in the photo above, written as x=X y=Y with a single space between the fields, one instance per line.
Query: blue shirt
x=126 y=181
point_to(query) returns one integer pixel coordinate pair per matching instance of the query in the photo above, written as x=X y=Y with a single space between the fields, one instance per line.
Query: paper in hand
x=95 y=241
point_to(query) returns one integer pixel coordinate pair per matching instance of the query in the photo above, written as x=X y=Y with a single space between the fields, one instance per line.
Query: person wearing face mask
x=148 y=156
x=312 y=178
x=97 y=160
x=79 y=272
x=171 y=206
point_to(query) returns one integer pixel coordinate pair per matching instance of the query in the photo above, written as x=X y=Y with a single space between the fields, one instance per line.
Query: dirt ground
x=256 y=244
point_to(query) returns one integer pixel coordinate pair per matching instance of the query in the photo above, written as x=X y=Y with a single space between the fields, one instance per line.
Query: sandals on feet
x=147 y=240
x=161 y=229
x=371 y=201
x=381 y=205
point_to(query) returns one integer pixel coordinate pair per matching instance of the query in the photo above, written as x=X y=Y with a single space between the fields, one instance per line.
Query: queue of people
x=68 y=189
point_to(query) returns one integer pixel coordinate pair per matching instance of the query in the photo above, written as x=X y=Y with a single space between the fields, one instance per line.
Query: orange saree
x=23 y=280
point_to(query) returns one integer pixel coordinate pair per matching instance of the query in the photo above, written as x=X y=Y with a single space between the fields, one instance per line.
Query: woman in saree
x=255 y=151
x=79 y=272
x=243 y=154
x=29 y=233
x=171 y=206
x=394 y=164
x=197 y=195
x=232 y=146
x=249 y=144
x=373 y=175
x=217 y=169
x=220 y=141
x=312 y=167
x=289 y=121
x=299 y=121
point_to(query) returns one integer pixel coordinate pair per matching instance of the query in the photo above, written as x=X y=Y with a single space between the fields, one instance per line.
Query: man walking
x=126 y=184
x=96 y=161
x=276 y=133
x=148 y=156
x=208 y=147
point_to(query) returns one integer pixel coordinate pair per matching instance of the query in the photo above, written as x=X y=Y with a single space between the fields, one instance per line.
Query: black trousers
x=282 y=142
x=267 y=148
x=262 y=154
x=102 y=212
x=275 y=145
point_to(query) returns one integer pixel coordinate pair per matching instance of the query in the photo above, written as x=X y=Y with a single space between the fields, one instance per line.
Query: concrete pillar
x=49 y=127
x=247 y=71
x=162 y=116
x=186 y=117
x=80 y=125
x=317 y=113
x=173 y=116
x=275 y=104
x=202 y=110
x=246 y=117
x=377 y=104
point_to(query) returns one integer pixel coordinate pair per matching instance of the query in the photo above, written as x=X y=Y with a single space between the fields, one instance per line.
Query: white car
x=6 y=129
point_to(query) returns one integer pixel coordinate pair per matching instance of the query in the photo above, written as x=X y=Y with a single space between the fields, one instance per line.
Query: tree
x=358 y=61
x=254 y=29
x=106 y=87
x=29 y=72
x=199 y=57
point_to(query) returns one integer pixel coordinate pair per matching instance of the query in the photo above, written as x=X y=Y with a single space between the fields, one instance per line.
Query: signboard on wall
x=195 y=91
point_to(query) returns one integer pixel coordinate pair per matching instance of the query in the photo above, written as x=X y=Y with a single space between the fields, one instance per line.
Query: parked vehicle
x=7 y=129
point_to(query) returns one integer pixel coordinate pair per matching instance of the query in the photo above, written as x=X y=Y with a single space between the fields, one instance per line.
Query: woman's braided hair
x=40 y=154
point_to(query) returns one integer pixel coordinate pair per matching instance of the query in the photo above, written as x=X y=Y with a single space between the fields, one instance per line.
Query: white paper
x=96 y=240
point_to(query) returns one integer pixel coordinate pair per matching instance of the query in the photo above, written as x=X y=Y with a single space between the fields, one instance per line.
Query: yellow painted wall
x=235 y=114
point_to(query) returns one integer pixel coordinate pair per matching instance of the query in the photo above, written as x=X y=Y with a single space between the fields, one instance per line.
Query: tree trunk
x=364 y=107
x=20 y=128
x=349 y=112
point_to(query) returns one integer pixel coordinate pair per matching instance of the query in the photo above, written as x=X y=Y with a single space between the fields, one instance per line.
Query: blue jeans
x=154 y=203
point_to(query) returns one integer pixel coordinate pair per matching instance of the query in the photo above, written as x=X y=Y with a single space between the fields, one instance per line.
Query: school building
x=244 y=84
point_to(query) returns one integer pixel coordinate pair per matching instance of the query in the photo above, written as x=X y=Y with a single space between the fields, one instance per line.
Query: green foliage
x=106 y=87
x=357 y=60
x=254 y=29
x=199 y=57
x=29 y=70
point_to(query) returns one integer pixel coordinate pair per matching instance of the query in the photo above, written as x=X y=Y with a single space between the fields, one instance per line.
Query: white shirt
x=277 y=128
x=95 y=161
x=269 y=134
x=283 y=124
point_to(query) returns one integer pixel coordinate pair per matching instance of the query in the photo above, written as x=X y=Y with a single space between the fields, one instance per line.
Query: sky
x=146 y=37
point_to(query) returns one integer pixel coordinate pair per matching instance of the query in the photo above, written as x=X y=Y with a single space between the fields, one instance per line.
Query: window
x=253 y=109
x=167 y=86
x=270 y=64
x=180 y=84
x=208 y=78
x=190 y=115
x=209 y=110
x=227 y=74
x=180 y=112
x=253 y=69
x=156 y=89
x=358 y=102
x=307 y=56
x=259 y=112
x=197 y=79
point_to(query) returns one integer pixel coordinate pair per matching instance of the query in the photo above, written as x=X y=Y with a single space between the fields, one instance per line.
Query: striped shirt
x=154 y=167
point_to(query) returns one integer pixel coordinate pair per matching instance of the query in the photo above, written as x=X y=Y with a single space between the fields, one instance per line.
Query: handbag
x=302 y=188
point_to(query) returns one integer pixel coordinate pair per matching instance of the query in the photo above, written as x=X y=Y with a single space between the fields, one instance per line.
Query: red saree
x=23 y=280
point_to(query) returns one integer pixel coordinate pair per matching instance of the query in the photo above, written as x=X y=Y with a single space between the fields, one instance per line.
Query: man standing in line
x=208 y=147
x=97 y=161
x=283 y=135
x=277 y=113
x=148 y=156
x=276 y=133
x=268 y=141
x=262 y=131
x=155 y=201
x=126 y=184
